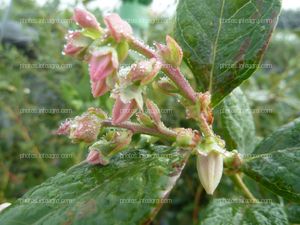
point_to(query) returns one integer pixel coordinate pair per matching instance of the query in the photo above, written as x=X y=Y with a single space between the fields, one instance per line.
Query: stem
x=177 y=77
x=173 y=73
x=137 y=128
x=237 y=178
x=196 y=204
x=204 y=126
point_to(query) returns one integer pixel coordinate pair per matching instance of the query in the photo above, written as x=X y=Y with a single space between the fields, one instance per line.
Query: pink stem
x=137 y=128
x=172 y=72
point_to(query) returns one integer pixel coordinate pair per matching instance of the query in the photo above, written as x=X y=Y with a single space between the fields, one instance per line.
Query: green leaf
x=278 y=171
x=103 y=195
x=234 y=121
x=223 y=40
x=287 y=136
x=293 y=211
x=225 y=211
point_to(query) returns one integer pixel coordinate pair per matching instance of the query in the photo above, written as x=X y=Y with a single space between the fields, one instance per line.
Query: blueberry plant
x=120 y=182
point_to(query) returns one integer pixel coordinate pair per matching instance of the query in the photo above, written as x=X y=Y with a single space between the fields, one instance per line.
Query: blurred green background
x=32 y=35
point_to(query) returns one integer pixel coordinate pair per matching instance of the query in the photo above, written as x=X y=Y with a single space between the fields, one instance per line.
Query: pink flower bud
x=153 y=110
x=166 y=86
x=85 y=128
x=94 y=157
x=118 y=28
x=101 y=65
x=145 y=71
x=76 y=43
x=121 y=139
x=99 y=88
x=172 y=53
x=123 y=111
x=86 y=19
x=64 y=128
x=109 y=145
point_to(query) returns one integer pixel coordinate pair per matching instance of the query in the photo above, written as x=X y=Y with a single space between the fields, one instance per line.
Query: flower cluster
x=105 y=49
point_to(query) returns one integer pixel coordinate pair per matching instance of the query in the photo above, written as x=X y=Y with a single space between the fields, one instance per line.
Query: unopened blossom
x=186 y=137
x=123 y=111
x=94 y=157
x=86 y=19
x=118 y=28
x=109 y=145
x=210 y=170
x=210 y=163
x=82 y=128
x=170 y=53
x=144 y=71
x=102 y=64
x=77 y=43
x=153 y=111
x=64 y=128
x=144 y=119
x=166 y=86
x=85 y=128
x=121 y=139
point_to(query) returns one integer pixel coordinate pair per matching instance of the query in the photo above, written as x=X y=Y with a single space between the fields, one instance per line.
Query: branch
x=137 y=128
x=173 y=73
x=238 y=180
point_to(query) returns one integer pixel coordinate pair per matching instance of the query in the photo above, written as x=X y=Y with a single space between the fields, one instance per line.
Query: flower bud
x=210 y=162
x=172 y=53
x=154 y=111
x=82 y=128
x=64 y=128
x=102 y=64
x=118 y=28
x=87 y=21
x=94 y=157
x=76 y=45
x=145 y=120
x=121 y=139
x=85 y=128
x=203 y=100
x=98 y=112
x=109 y=145
x=145 y=71
x=99 y=88
x=123 y=111
x=185 y=137
x=166 y=86
x=210 y=170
